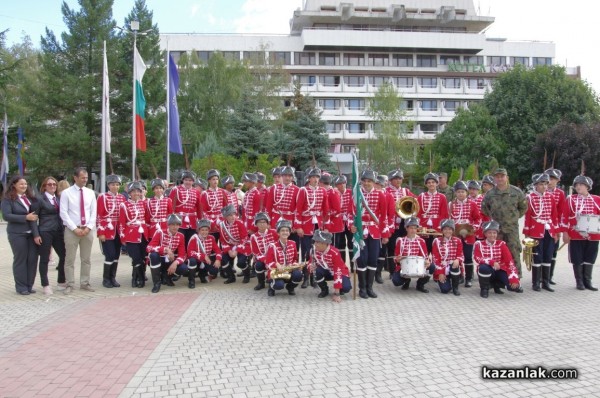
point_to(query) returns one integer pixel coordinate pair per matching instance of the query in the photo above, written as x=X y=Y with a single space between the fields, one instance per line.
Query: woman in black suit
x=19 y=209
x=52 y=233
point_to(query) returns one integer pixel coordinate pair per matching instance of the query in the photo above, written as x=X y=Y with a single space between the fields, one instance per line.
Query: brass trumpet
x=285 y=273
x=528 y=245
x=428 y=232
x=407 y=206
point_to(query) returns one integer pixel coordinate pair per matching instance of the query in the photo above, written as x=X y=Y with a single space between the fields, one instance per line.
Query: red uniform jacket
x=107 y=214
x=406 y=246
x=330 y=259
x=277 y=253
x=488 y=253
x=348 y=207
x=397 y=194
x=579 y=205
x=559 y=199
x=478 y=199
x=281 y=203
x=250 y=206
x=132 y=221
x=312 y=207
x=259 y=243
x=433 y=208
x=233 y=236
x=377 y=228
x=466 y=212
x=186 y=203
x=444 y=252
x=335 y=224
x=541 y=215
x=213 y=200
x=231 y=198
x=157 y=211
x=202 y=248
x=161 y=241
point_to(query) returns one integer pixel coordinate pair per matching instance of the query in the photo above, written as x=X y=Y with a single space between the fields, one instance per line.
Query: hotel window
x=204 y=55
x=449 y=59
x=329 y=81
x=355 y=104
x=402 y=60
x=379 y=60
x=520 y=60
x=496 y=60
x=255 y=56
x=176 y=55
x=429 y=128
x=333 y=128
x=351 y=59
x=542 y=61
x=403 y=82
x=329 y=59
x=377 y=81
x=428 y=82
x=357 y=127
x=348 y=148
x=426 y=61
x=303 y=58
x=451 y=106
x=407 y=105
x=354 y=81
x=280 y=57
x=474 y=59
x=231 y=55
x=478 y=84
x=451 y=82
x=307 y=80
x=330 y=104
x=429 y=105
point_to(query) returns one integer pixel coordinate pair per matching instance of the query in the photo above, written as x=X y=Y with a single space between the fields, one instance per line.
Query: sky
x=570 y=25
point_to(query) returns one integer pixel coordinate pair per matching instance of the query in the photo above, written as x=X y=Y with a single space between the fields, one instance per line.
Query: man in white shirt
x=78 y=213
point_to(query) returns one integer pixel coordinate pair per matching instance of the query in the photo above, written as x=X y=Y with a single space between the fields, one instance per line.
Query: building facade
x=434 y=52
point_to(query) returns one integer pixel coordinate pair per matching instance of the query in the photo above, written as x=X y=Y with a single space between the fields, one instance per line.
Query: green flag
x=359 y=242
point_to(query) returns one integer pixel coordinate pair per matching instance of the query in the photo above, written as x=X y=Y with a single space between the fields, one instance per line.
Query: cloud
x=194 y=10
x=266 y=16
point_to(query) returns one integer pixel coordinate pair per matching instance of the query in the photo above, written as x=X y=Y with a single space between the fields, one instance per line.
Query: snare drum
x=412 y=267
x=589 y=223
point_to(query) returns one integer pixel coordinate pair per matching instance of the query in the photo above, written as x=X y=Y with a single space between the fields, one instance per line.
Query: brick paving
x=230 y=341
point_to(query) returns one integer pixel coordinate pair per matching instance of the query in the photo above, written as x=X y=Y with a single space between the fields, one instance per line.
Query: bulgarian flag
x=139 y=68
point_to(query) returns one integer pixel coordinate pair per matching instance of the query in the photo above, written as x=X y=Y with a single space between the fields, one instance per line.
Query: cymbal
x=467 y=228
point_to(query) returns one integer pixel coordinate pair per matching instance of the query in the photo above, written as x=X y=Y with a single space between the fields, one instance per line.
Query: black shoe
x=536 y=288
x=406 y=285
x=230 y=280
x=260 y=286
x=546 y=286
x=261 y=281
x=202 y=279
x=192 y=283
x=304 y=283
x=378 y=278
x=156 y=287
x=324 y=293
x=246 y=275
x=422 y=289
x=114 y=282
x=552 y=282
x=312 y=282
x=363 y=294
x=371 y=293
x=484 y=293
x=174 y=278
x=291 y=291
x=107 y=283
x=468 y=283
x=497 y=290
x=113 y=274
x=456 y=292
x=270 y=292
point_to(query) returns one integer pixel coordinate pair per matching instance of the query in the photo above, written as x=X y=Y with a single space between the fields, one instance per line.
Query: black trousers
x=52 y=240
x=25 y=259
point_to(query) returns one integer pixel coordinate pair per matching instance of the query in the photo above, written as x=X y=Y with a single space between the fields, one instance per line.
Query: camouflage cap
x=500 y=170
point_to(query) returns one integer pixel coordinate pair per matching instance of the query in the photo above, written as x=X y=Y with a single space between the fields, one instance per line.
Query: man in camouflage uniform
x=505 y=204
x=444 y=188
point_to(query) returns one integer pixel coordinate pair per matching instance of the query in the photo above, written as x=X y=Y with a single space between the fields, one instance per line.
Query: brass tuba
x=528 y=245
x=407 y=206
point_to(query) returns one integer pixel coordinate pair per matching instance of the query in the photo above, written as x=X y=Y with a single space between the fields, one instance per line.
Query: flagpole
x=134 y=25
x=168 y=136
x=103 y=155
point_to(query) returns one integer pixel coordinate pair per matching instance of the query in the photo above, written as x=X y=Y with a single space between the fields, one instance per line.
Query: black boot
x=202 y=275
x=535 y=278
x=290 y=288
x=421 y=284
x=305 y=280
x=391 y=266
x=370 y=278
x=380 y=264
x=270 y=291
x=230 y=275
x=406 y=284
x=587 y=277
x=260 y=277
x=546 y=278
x=324 y=289
x=246 y=274
x=455 y=280
x=552 y=264
x=141 y=278
x=106 y=276
x=468 y=275
x=113 y=274
x=134 y=277
x=484 y=284
x=362 y=284
x=498 y=288
x=313 y=284
x=192 y=278
x=156 y=279
x=578 y=271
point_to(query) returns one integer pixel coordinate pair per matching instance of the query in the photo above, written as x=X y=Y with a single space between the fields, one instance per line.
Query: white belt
x=158 y=220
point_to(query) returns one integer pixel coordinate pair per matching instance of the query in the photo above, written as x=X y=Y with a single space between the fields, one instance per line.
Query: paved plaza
x=230 y=341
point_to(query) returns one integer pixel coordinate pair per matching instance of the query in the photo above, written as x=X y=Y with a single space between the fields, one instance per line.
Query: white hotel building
x=435 y=52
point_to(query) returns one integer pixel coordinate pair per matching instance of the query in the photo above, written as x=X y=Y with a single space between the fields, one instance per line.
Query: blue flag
x=21 y=151
x=174 y=135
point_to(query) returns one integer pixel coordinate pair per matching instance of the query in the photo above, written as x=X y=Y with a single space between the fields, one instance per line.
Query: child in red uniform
x=167 y=255
x=411 y=245
x=327 y=265
x=447 y=253
x=204 y=252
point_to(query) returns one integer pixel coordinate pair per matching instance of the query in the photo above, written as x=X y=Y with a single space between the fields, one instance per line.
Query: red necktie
x=81 y=206
x=55 y=202
x=27 y=202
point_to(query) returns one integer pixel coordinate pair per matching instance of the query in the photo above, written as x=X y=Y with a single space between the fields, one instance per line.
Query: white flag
x=4 y=166
x=105 y=105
